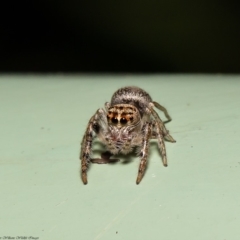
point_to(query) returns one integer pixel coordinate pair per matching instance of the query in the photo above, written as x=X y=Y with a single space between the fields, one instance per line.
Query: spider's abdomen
x=132 y=95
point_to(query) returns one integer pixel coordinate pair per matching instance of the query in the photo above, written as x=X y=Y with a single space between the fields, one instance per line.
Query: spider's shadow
x=123 y=158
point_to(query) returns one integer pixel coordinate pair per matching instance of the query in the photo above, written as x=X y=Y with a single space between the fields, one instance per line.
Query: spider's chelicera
x=128 y=121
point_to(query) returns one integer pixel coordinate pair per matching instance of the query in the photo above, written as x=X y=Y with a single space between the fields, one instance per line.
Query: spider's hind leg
x=161 y=143
x=163 y=109
x=160 y=132
x=159 y=121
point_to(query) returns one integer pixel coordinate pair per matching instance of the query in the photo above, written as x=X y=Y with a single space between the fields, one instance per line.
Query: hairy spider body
x=128 y=121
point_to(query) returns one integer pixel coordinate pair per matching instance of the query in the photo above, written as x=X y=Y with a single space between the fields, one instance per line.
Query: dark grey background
x=110 y=36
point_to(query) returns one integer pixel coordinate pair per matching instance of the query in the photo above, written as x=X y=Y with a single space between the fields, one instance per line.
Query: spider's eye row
x=123 y=120
x=114 y=120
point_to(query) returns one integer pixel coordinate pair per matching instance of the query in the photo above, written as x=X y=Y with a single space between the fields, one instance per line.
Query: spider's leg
x=161 y=144
x=146 y=132
x=161 y=125
x=163 y=109
x=86 y=145
x=154 y=134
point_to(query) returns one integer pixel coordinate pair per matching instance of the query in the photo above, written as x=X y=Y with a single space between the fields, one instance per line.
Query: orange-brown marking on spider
x=121 y=113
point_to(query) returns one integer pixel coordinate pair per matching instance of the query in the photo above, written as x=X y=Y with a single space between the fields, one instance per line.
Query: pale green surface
x=197 y=197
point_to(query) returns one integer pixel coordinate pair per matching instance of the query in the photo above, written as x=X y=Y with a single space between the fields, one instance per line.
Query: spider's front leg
x=146 y=132
x=86 y=145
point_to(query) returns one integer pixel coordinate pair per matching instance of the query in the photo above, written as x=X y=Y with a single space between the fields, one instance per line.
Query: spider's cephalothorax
x=128 y=121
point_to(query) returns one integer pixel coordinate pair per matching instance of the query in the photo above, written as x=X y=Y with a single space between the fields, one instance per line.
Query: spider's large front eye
x=114 y=120
x=123 y=120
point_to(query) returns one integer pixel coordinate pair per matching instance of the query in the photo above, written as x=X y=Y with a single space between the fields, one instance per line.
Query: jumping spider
x=128 y=121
